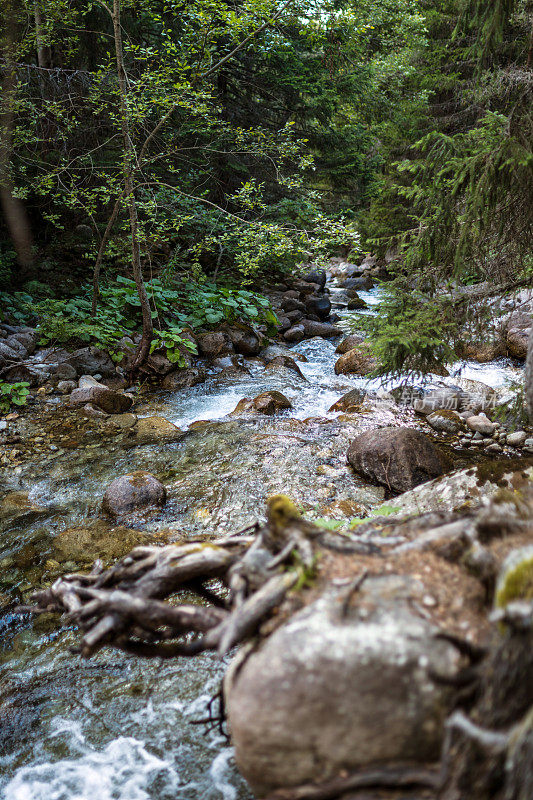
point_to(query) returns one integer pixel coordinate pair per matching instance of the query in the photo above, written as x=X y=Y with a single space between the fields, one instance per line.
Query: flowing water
x=115 y=727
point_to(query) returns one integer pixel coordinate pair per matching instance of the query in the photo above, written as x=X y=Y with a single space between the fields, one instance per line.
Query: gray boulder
x=91 y=361
x=398 y=458
x=132 y=492
x=339 y=688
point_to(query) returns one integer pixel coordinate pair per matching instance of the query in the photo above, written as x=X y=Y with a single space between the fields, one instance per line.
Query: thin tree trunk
x=44 y=55
x=100 y=254
x=529 y=376
x=144 y=346
x=13 y=209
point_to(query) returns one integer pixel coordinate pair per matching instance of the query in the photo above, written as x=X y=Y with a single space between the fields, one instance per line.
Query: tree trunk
x=529 y=376
x=44 y=55
x=129 y=155
x=13 y=209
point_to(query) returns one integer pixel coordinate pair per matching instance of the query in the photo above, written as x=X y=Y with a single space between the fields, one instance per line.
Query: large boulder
x=214 y=344
x=245 y=342
x=183 y=378
x=358 y=361
x=319 y=305
x=132 y=492
x=100 y=396
x=398 y=458
x=339 y=688
x=268 y=403
x=516 y=341
x=91 y=361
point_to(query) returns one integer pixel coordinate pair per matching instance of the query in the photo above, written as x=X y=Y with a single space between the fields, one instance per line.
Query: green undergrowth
x=176 y=309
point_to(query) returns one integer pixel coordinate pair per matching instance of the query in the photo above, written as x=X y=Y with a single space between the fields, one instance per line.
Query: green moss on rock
x=516 y=577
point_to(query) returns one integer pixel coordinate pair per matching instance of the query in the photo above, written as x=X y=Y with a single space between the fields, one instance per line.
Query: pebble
x=517 y=439
x=429 y=601
x=494 y=448
x=3 y=425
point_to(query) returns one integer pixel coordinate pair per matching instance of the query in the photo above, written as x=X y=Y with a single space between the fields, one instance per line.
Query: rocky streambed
x=116 y=727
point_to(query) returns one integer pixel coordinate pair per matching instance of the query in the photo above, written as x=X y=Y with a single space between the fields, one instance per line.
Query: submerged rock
x=266 y=403
x=338 y=688
x=132 y=492
x=156 y=429
x=96 y=539
x=398 y=458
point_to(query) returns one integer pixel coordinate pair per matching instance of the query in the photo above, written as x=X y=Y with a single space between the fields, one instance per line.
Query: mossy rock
x=515 y=581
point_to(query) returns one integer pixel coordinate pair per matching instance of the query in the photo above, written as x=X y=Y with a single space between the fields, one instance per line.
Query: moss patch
x=516 y=582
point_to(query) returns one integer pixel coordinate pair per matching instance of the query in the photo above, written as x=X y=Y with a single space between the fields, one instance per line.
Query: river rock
x=7 y=354
x=156 y=429
x=122 y=421
x=516 y=439
x=355 y=303
x=275 y=350
x=516 y=341
x=349 y=343
x=482 y=352
x=266 y=403
x=319 y=305
x=183 y=378
x=91 y=361
x=214 y=344
x=466 y=486
x=481 y=424
x=28 y=339
x=351 y=401
x=331 y=691
x=291 y=304
x=100 y=396
x=86 y=381
x=245 y=342
x=358 y=361
x=294 y=334
x=18 y=505
x=446 y=421
x=131 y=492
x=285 y=362
x=34 y=374
x=323 y=329
x=96 y=539
x=317 y=276
x=13 y=343
x=361 y=283
x=66 y=387
x=398 y=458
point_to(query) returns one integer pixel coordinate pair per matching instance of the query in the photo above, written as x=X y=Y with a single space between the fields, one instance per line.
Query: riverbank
x=217 y=472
